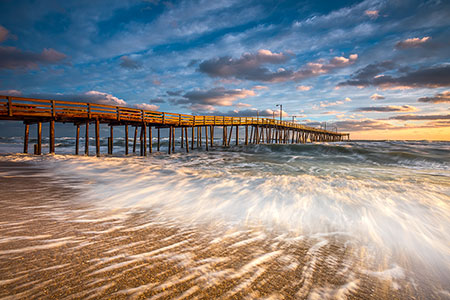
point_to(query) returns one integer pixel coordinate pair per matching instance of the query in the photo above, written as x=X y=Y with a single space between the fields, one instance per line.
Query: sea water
x=368 y=219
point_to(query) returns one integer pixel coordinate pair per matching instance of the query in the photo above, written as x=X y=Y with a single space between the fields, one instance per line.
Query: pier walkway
x=256 y=130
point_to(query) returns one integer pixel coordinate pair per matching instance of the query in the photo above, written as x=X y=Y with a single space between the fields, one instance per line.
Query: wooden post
x=199 y=132
x=141 y=144
x=192 y=137
x=159 y=139
x=224 y=135
x=150 y=139
x=212 y=133
x=170 y=140
x=126 y=140
x=77 y=140
x=251 y=134
x=39 y=136
x=10 y=110
x=270 y=135
x=198 y=137
x=192 y=131
x=182 y=137
x=173 y=139
x=111 y=136
x=144 y=144
x=51 y=138
x=135 y=138
x=246 y=134
x=237 y=135
x=25 y=138
x=187 y=139
x=97 y=137
x=206 y=137
x=86 y=139
x=229 y=137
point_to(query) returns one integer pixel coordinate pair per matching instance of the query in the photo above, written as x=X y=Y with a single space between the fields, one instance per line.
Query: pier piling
x=25 y=138
x=77 y=140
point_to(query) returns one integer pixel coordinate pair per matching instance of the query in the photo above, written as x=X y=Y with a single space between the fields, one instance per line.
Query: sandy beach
x=54 y=246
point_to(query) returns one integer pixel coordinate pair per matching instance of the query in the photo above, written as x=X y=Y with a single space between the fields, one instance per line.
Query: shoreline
x=55 y=246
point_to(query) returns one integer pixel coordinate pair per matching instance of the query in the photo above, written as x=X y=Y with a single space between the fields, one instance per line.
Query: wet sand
x=55 y=246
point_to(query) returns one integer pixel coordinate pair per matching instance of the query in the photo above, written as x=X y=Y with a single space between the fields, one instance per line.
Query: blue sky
x=360 y=66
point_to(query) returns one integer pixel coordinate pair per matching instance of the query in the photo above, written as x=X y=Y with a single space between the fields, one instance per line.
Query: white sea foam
x=391 y=210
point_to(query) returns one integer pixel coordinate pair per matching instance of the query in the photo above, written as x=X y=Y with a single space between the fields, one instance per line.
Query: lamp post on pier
x=281 y=111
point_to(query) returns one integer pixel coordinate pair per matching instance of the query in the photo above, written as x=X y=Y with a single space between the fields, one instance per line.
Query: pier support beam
x=86 y=139
x=111 y=139
x=51 y=138
x=246 y=135
x=224 y=135
x=187 y=139
x=237 y=135
x=159 y=139
x=25 y=138
x=192 y=136
x=212 y=135
x=97 y=137
x=39 y=139
x=141 y=143
x=229 y=137
x=169 y=151
x=135 y=138
x=182 y=137
x=77 y=140
x=206 y=138
x=173 y=139
x=150 y=139
x=126 y=140
x=144 y=142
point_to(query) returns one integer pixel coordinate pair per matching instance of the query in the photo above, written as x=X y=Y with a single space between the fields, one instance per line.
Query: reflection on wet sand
x=54 y=247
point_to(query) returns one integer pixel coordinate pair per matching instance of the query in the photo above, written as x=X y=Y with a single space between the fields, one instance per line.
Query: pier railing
x=12 y=107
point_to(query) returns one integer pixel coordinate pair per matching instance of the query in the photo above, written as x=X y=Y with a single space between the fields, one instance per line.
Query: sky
x=376 y=69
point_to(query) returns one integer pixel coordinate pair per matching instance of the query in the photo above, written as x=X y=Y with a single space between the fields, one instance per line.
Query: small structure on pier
x=257 y=130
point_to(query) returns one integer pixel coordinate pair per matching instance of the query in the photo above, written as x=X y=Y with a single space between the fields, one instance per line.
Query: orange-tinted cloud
x=412 y=43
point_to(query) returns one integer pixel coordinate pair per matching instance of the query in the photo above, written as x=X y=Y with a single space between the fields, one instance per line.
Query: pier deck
x=262 y=130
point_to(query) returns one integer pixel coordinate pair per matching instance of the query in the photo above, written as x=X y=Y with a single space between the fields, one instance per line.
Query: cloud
x=324 y=104
x=303 y=87
x=146 y=106
x=389 y=108
x=376 y=97
x=412 y=43
x=11 y=93
x=250 y=67
x=214 y=97
x=240 y=104
x=373 y=14
x=4 y=33
x=128 y=63
x=174 y=93
x=253 y=112
x=206 y=100
x=91 y=96
x=362 y=125
x=260 y=87
x=420 y=117
x=432 y=77
x=13 y=58
x=437 y=98
x=157 y=100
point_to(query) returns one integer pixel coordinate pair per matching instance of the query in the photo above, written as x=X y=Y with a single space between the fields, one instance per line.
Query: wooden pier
x=256 y=130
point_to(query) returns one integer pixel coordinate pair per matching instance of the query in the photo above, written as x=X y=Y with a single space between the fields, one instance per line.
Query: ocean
x=347 y=220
